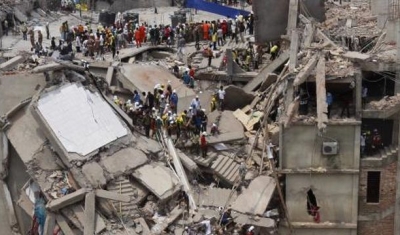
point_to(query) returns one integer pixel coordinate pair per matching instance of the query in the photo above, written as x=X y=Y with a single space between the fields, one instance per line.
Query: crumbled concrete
x=148 y=146
x=94 y=173
x=124 y=161
x=231 y=101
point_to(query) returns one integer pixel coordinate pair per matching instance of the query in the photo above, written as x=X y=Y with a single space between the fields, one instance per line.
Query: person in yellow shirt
x=214 y=40
x=274 y=52
x=213 y=104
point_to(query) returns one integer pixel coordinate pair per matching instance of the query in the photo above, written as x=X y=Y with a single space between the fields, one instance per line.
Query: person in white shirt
x=221 y=97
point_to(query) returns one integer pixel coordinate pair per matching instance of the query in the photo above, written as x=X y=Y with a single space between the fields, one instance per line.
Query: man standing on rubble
x=203 y=145
x=329 y=102
x=221 y=97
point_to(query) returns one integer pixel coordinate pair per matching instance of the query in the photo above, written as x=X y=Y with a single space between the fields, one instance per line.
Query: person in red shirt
x=191 y=71
x=203 y=145
x=138 y=38
x=206 y=28
x=224 y=27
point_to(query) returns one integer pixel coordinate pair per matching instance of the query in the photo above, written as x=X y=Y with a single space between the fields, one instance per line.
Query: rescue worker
x=203 y=144
x=40 y=37
x=274 y=52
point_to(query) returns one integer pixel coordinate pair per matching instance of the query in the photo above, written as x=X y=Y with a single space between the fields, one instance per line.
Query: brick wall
x=387 y=197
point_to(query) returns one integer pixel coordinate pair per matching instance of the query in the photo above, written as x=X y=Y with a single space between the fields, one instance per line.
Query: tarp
x=215 y=8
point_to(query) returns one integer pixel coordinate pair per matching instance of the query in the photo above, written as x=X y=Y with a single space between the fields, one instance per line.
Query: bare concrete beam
x=12 y=63
x=109 y=76
x=292 y=111
x=294 y=49
x=306 y=71
x=319 y=33
x=90 y=213
x=62 y=222
x=293 y=12
x=67 y=200
x=47 y=68
x=112 y=196
x=322 y=106
x=49 y=224
x=309 y=33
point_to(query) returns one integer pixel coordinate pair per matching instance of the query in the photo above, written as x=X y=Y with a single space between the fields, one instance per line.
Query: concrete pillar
x=3 y=154
x=356 y=177
x=358 y=95
x=397 y=203
x=90 y=214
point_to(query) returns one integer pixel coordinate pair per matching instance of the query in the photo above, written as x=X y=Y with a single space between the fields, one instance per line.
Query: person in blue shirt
x=329 y=101
x=174 y=101
x=186 y=78
x=136 y=97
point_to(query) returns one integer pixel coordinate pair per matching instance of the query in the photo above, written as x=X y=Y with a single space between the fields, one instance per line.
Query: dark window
x=373 y=186
x=311 y=203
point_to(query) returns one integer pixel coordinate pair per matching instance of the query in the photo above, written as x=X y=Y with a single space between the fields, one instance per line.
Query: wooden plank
x=322 y=106
x=306 y=71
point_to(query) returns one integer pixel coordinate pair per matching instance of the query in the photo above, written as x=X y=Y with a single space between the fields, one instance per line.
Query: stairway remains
x=226 y=168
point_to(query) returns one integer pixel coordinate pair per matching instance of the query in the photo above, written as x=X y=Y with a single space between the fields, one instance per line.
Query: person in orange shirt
x=206 y=28
x=138 y=38
x=142 y=30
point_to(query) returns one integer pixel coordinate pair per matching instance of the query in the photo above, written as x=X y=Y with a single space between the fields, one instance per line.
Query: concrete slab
x=22 y=85
x=10 y=64
x=214 y=197
x=148 y=146
x=161 y=226
x=79 y=213
x=94 y=173
x=31 y=141
x=255 y=199
x=124 y=161
x=79 y=119
x=160 y=180
x=143 y=78
x=230 y=128
x=67 y=200
x=62 y=222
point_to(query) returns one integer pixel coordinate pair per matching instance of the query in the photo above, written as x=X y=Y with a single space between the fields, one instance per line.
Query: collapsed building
x=70 y=153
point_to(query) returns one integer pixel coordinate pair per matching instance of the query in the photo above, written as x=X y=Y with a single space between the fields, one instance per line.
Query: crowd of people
x=157 y=113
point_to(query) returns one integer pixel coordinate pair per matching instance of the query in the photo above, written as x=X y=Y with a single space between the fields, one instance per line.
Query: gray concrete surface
x=94 y=173
x=4 y=222
x=124 y=161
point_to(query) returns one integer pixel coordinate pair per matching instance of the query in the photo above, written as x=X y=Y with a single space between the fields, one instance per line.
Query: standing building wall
x=332 y=179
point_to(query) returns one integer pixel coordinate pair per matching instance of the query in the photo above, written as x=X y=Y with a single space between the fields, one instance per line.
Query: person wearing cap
x=174 y=101
x=203 y=144
x=162 y=103
x=250 y=231
x=173 y=131
x=214 y=129
x=195 y=104
x=136 y=97
x=159 y=127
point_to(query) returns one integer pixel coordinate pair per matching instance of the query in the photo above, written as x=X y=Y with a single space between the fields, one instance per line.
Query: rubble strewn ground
x=100 y=163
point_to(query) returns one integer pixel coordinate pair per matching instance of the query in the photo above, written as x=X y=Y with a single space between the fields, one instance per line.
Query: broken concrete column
x=64 y=225
x=10 y=64
x=322 y=106
x=67 y=200
x=306 y=71
x=49 y=224
x=90 y=213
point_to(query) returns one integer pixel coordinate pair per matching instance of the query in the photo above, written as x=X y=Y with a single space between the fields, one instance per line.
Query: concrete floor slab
x=123 y=161
x=94 y=173
x=255 y=199
x=158 y=179
x=144 y=77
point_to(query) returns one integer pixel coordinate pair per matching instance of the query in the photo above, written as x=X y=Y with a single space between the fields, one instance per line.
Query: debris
x=112 y=196
x=90 y=213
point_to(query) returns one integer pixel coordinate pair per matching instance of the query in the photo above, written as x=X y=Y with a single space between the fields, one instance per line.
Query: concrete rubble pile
x=386 y=103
